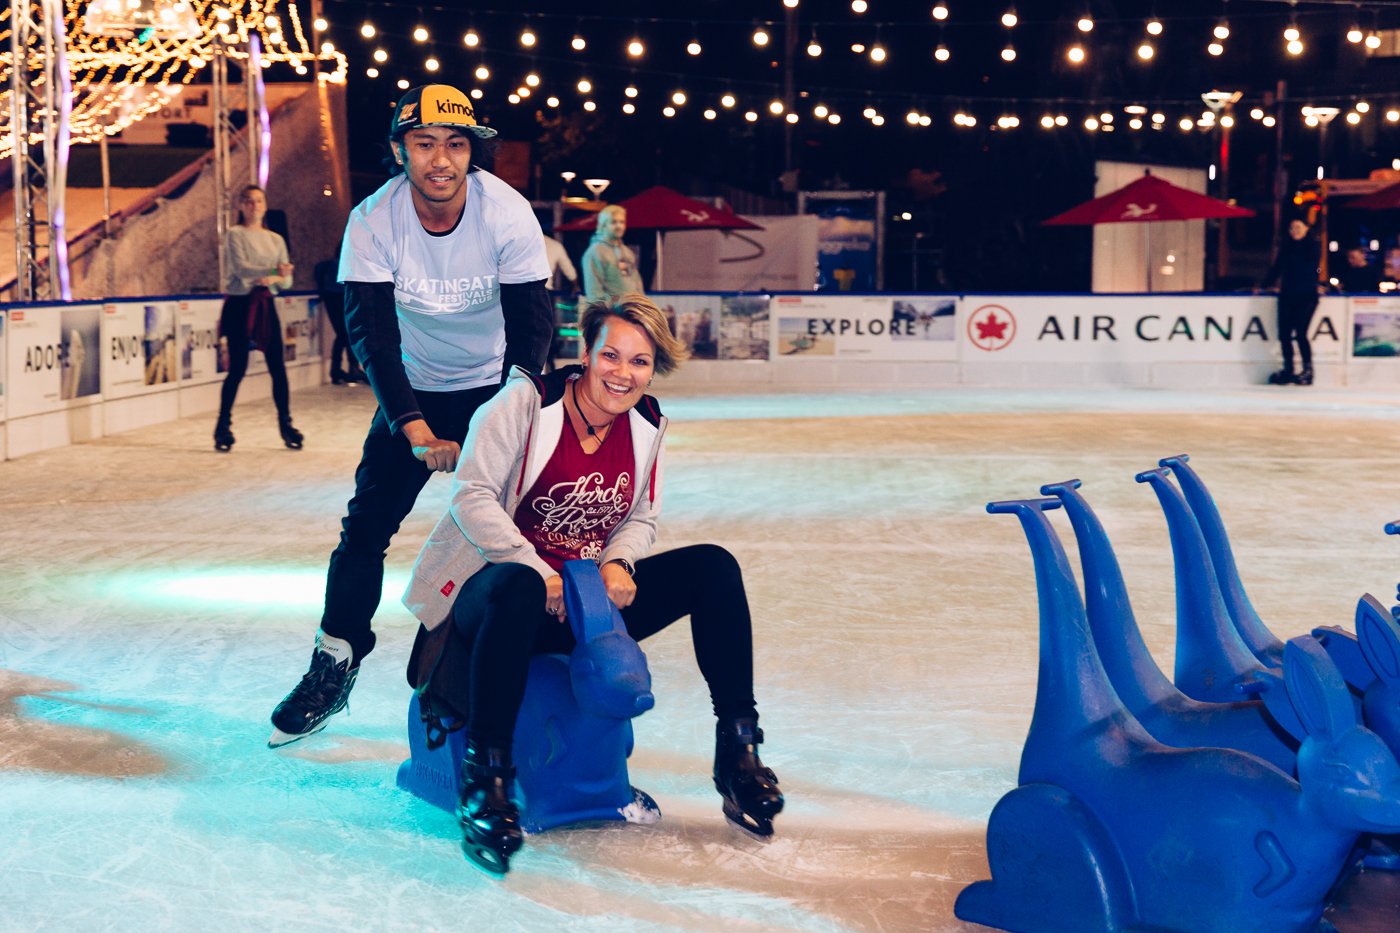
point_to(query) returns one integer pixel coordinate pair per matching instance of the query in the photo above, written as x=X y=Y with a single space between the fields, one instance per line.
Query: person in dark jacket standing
x=444 y=270
x=1295 y=270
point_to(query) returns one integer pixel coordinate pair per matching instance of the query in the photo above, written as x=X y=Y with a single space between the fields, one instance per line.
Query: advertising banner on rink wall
x=301 y=330
x=1375 y=324
x=53 y=358
x=867 y=327
x=139 y=354
x=3 y=358
x=694 y=319
x=1137 y=328
x=197 y=335
x=744 y=327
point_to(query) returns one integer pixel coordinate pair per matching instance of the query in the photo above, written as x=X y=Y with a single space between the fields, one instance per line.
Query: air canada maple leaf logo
x=991 y=328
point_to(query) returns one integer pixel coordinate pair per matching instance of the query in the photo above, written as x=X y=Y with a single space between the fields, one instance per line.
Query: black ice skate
x=1284 y=377
x=750 y=791
x=490 y=819
x=223 y=435
x=290 y=435
x=324 y=691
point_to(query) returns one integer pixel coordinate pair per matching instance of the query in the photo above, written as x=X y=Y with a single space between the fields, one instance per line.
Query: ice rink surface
x=159 y=598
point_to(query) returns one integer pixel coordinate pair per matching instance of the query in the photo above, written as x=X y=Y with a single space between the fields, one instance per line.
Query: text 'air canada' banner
x=54 y=356
x=139 y=355
x=1137 y=329
x=1375 y=326
x=869 y=327
x=197 y=336
x=301 y=329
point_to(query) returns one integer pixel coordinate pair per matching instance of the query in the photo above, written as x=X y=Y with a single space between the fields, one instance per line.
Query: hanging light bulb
x=1355 y=35
x=1061 y=120
x=727 y=101
x=369 y=72
x=584 y=85
x=912 y=118
x=869 y=113
x=814 y=48
x=760 y=37
x=775 y=107
x=1373 y=40
x=1085 y=24
x=1215 y=48
x=710 y=113
x=859 y=6
x=1353 y=118
x=1008 y=54
x=630 y=90
x=1009 y=19
x=1091 y=124
x=940 y=12
x=693 y=48
x=877 y=54
x=1075 y=54
x=532 y=80
x=403 y=84
x=678 y=98
x=1222 y=30
x=635 y=48
x=629 y=108
x=319 y=24
x=367 y=30
x=482 y=72
x=941 y=53
x=1291 y=34
x=552 y=101
x=589 y=106
x=1146 y=51
x=1295 y=47
x=1362 y=107
x=750 y=116
x=858 y=48
x=471 y=40
x=578 y=43
x=432 y=64
x=420 y=34
x=668 y=111
x=791 y=118
x=834 y=119
x=381 y=56
x=1048 y=122
x=820 y=111
x=528 y=38
x=1154 y=27
x=877 y=120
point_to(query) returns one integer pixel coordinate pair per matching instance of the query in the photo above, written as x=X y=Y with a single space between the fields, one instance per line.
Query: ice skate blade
x=760 y=829
x=642 y=810
x=280 y=738
x=494 y=863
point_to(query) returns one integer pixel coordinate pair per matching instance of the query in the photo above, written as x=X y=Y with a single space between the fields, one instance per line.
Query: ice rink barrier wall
x=74 y=372
x=82 y=370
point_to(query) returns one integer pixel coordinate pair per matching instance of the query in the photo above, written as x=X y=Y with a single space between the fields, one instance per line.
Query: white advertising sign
x=139 y=352
x=869 y=327
x=782 y=257
x=1375 y=324
x=1138 y=328
x=53 y=358
x=301 y=330
x=197 y=335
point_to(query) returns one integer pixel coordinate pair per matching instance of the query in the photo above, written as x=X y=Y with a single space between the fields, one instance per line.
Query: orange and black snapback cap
x=437 y=105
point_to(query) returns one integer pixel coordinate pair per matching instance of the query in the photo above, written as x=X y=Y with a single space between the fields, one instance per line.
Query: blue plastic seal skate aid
x=574 y=731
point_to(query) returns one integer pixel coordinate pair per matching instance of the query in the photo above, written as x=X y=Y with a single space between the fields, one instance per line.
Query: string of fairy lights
x=119 y=80
x=511 y=54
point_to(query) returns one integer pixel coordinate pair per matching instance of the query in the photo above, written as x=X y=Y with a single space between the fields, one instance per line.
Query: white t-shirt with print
x=447 y=288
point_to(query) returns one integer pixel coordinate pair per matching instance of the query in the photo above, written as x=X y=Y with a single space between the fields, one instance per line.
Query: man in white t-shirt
x=444 y=270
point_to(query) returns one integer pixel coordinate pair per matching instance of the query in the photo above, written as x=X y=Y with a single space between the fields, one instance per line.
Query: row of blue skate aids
x=574 y=731
x=1110 y=829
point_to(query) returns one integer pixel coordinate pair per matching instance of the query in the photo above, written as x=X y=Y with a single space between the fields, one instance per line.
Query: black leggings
x=233 y=325
x=1295 y=313
x=499 y=621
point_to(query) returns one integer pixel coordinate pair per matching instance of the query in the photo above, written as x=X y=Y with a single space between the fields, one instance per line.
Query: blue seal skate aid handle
x=608 y=669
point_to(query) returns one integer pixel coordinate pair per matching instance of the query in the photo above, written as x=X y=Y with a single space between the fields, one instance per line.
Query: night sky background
x=976 y=195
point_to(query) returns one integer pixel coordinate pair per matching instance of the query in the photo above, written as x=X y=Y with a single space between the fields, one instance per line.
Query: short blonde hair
x=643 y=312
x=605 y=216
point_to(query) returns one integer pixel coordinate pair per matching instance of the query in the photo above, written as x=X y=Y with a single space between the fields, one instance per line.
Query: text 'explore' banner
x=1137 y=328
x=869 y=327
x=54 y=358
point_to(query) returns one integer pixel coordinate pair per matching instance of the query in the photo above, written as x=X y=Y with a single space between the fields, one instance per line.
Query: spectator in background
x=333 y=300
x=563 y=293
x=1295 y=271
x=258 y=267
x=609 y=265
x=1358 y=276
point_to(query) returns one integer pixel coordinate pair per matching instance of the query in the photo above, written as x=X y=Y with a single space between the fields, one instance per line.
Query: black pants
x=387 y=483
x=1295 y=314
x=499 y=621
x=334 y=303
x=233 y=325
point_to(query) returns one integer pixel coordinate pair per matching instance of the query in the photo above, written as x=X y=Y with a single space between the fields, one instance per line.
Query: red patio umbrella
x=1147 y=200
x=660 y=208
x=1386 y=199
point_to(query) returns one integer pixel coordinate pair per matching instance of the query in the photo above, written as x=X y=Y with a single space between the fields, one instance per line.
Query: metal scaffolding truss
x=255 y=134
x=40 y=95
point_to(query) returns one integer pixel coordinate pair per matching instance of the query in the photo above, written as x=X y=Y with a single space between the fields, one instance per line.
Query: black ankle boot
x=1284 y=377
x=223 y=435
x=290 y=435
x=1304 y=378
x=490 y=819
x=750 y=790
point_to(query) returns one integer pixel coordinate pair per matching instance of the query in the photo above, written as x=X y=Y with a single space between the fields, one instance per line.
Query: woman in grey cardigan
x=555 y=468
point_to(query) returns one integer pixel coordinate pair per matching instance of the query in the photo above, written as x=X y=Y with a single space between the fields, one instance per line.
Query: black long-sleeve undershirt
x=373 y=327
